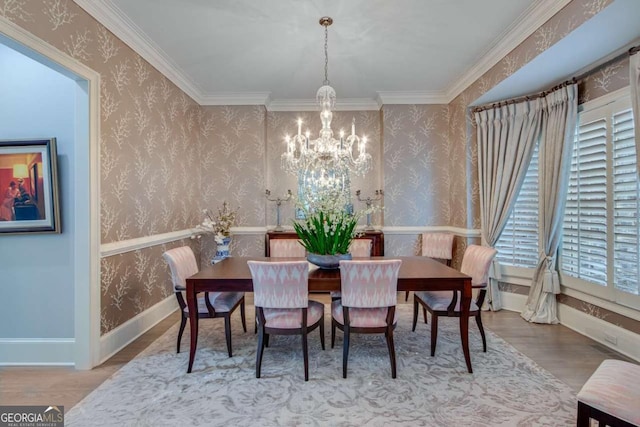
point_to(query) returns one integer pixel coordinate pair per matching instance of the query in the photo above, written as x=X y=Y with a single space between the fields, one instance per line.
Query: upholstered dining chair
x=475 y=263
x=285 y=248
x=368 y=304
x=437 y=246
x=359 y=248
x=182 y=263
x=281 y=296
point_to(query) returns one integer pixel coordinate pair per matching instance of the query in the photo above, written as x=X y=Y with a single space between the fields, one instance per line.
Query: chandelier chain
x=326 y=55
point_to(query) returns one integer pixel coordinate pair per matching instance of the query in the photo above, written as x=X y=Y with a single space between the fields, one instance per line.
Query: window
x=601 y=230
x=518 y=243
x=584 y=240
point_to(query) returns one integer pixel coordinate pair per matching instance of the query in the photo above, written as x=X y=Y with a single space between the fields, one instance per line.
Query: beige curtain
x=506 y=140
x=634 y=80
x=560 y=109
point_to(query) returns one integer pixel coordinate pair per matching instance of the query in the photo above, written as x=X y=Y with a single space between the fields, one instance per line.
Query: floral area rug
x=506 y=388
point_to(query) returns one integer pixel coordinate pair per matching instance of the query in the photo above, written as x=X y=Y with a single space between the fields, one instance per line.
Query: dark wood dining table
x=416 y=274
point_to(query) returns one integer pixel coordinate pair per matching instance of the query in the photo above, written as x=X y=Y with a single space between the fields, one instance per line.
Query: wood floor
x=569 y=356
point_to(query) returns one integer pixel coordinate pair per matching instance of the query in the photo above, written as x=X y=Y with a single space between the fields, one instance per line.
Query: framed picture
x=29 y=186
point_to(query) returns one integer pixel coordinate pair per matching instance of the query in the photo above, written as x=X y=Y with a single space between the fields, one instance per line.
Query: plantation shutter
x=584 y=247
x=626 y=237
x=518 y=243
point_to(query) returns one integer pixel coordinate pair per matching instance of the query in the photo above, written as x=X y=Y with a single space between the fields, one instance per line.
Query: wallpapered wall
x=163 y=158
x=466 y=212
x=149 y=175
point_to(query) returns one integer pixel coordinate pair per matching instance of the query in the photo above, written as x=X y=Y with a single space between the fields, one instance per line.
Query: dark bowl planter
x=327 y=262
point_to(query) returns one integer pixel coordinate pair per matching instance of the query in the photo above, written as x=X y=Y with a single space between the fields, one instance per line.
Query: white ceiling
x=271 y=51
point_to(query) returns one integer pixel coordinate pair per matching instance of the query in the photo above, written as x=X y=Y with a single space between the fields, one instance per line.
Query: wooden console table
x=376 y=237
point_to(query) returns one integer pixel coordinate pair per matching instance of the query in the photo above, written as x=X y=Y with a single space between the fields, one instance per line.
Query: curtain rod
x=577 y=79
x=523 y=98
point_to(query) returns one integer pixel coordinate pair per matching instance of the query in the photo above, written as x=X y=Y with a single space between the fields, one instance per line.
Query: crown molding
x=236 y=98
x=109 y=15
x=532 y=19
x=347 y=104
x=411 y=97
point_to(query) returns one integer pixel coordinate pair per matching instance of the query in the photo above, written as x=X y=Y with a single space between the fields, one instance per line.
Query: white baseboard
x=37 y=351
x=115 y=340
x=513 y=302
x=626 y=342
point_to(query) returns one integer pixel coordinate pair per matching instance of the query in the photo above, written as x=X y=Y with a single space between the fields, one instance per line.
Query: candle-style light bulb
x=341 y=139
x=353 y=126
x=362 y=145
x=299 y=126
x=307 y=133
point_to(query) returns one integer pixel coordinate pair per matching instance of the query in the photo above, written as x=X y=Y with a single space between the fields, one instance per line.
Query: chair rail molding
x=458 y=231
x=129 y=245
x=124 y=246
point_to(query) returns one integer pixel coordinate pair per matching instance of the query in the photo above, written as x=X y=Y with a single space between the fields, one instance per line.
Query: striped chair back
x=476 y=262
x=280 y=284
x=285 y=248
x=360 y=248
x=369 y=284
x=182 y=263
x=437 y=245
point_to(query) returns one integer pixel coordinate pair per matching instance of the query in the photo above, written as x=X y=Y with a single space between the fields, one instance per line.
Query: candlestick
x=279 y=201
x=369 y=203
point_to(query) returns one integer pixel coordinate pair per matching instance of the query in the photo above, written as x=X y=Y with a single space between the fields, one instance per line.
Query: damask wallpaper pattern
x=149 y=151
x=163 y=158
x=232 y=141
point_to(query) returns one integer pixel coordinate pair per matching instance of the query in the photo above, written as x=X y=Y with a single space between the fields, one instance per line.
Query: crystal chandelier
x=326 y=157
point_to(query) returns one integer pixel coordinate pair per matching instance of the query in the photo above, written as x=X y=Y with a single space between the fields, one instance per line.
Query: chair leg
x=583 y=415
x=345 y=351
x=406 y=296
x=434 y=334
x=424 y=314
x=484 y=339
x=183 y=323
x=260 y=351
x=305 y=355
x=227 y=332
x=392 y=351
x=255 y=323
x=266 y=339
x=322 y=332
x=415 y=314
x=333 y=332
x=243 y=316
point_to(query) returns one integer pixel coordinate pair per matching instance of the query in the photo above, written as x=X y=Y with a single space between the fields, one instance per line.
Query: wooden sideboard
x=377 y=240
